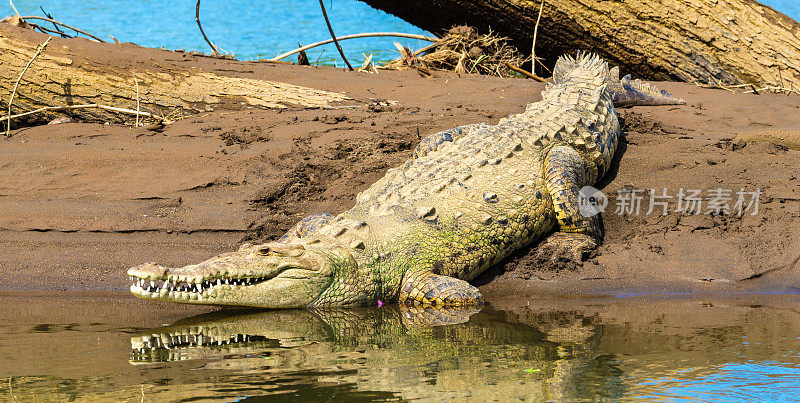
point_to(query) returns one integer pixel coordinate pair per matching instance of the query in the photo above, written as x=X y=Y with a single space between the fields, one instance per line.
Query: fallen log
x=75 y=71
x=719 y=42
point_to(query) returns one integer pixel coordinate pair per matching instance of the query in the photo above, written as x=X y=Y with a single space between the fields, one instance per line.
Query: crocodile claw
x=564 y=250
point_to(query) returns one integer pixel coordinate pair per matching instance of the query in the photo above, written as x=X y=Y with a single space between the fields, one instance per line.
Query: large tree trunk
x=78 y=71
x=709 y=41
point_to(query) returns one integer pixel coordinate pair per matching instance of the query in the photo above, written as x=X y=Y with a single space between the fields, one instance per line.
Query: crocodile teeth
x=194 y=289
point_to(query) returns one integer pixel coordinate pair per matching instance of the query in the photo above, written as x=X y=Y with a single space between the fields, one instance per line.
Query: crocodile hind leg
x=429 y=289
x=565 y=174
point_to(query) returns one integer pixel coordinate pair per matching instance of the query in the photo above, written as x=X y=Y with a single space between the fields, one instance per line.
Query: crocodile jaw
x=272 y=275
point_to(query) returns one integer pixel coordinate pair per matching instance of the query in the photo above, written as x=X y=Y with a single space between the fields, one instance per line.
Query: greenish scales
x=467 y=199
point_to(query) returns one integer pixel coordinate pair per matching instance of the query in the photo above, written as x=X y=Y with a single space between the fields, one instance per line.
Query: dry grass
x=463 y=50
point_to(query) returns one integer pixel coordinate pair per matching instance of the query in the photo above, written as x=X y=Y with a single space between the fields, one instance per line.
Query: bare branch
x=525 y=73
x=16 y=85
x=197 y=19
x=535 y=32
x=354 y=36
x=333 y=36
x=137 y=99
x=84 y=106
x=11 y=2
x=36 y=17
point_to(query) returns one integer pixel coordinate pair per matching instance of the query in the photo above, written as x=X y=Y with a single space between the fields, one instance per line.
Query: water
x=788 y=7
x=246 y=28
x=115 y=348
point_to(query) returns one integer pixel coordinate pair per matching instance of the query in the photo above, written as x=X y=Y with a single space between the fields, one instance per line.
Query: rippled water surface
x=111 y=347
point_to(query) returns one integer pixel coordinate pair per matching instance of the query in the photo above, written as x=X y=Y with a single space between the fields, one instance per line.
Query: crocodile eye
x=275 y=250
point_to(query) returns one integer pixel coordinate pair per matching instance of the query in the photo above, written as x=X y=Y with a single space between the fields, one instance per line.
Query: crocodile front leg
x=429 y=289
x=566 y=172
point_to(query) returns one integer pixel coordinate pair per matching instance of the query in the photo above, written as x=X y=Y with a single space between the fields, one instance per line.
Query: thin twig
x=84 y=106
x=753 y=88
x=427 y=48
x=48 y=15
x=80 y=31
x=362 y=35
x=49 y=31
x=137 y=99
x=368 y=66
x=333 y=36
x=718 y=87
x=16 y=85
x=525 y=73
x=15 y=9
x=319 y=57
x=197 y=18
x=771 y=88
x=279 y=50
x=544 y=66
x=535 y=32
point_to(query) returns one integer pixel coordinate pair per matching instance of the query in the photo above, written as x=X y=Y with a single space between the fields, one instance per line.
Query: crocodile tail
x=624 y=91
x=627 y=92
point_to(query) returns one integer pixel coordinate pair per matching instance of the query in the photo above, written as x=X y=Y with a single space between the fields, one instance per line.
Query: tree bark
x=707 y=41
x=78 y=71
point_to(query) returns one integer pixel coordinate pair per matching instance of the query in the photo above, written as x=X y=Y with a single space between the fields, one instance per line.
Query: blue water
x=246 y=28
x=706 y=349
x=753 y=381
x=788 y=7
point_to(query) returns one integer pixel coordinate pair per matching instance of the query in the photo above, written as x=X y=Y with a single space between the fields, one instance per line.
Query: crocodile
x=419 y=353
x=467 y=199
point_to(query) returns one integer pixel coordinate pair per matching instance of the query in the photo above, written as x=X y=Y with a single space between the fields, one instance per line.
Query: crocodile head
x=271 y=275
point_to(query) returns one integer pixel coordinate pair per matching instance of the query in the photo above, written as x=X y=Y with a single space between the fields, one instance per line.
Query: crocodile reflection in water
x=453 y=351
